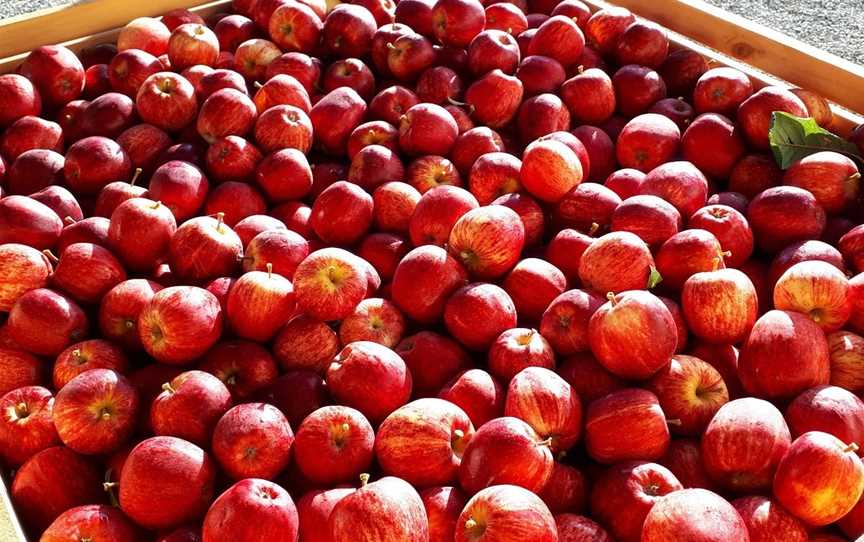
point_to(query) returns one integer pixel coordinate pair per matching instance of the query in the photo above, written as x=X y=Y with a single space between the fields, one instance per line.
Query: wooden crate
x=766 y=56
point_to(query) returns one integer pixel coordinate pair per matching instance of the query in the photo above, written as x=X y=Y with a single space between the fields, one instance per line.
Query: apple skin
x=19 y=368
x=549 y=170
x=575 y=528
x=743 y=444
x=371 y=378
x=729 y=227
x=248 y=228
x=87 y=272
x=45 y=322
x=686 y=253
x=97 y=520
x=589 y=379
x=680 y=183
x=477 y=393
x=329 y=283
x=436 y=212
x=86 y=355
x=691 y=391
x=335 y=116
x=19 y=98
x=802 y=252
x=566 y=320
x=754 y=113
x=259 y=304
x=190 y=406
x=166 y=482
x=305 y=343
x=505 y=451
x=850 y=246
x=488 y=241
x=227 y=103
x=782 y=215
x=589 y=96
x=384 y=251
x=495 y=97
x=684 y=459
x=651 y=217
x=56 y=72
x=566 y=489
x=718 y=133
x=334 y=444
x=245 y=368
x=754 y=173
x=167 y=101
x=505 y=513
x=432 y=359
x=624 y=494
x=389 y=505
x=342 y=213
x=816 y=464
x=721 y=90
x=306 y=69
x=144 y=143
x=424 y=280
x=34 y=170
x=119 y=310
x=777 y=339
x=268 y=506
x=443 y=506
x=93 y=162
x=374 y=165
x=427 y=129
x=693 y=514
x=647 y=141
x=26 y=425
x=494 y=174
x=253 y=440
x=439 y=432
x=314 y=508
x=543 y=280
x=282 y=89
x=391 y=103
x=376 y=320
x=626 y=425
x=456 y=22
x=297 y=394
x=281 y=249
x=51 y=482
x=478 y=303
x=90 y=230
x=616 y=262
x=633 y=335
x=829 y=409
x=846 y=350
x=548 y=403
x=179 y=324
x=24 y=269
x=818 y=290
x=96 y=411
x=348 y=31
x=471 y=145
x=191 y=44
x=516 y=349
x=295 y=27
x=720 y=306
x=766 y=520
x=28 y=133
x=376 y=132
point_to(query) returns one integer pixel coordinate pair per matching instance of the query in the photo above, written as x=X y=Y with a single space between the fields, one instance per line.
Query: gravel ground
x=834 y=25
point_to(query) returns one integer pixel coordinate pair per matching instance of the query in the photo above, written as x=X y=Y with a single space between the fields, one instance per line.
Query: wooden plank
x=845 y=120
x=835 y=78
x=83 y=18
x=80 y=41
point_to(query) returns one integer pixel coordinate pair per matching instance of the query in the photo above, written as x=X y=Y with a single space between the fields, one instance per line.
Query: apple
x=505 y=451
x=314 y=509
x=165 y=482
x=830 y=409
x=393 y=204
x=24 y=269
x=295 y=27
x=605 y=26
x=589 y=379
x=90 y=230
x=816 y=289
x=647 y=141
x=144 y=143
x=19 y=98
x=179 y=324
x=253 y=440
x=128 y=70
x=259 y=303
x=477 y=393
x=268 y=505
x=575 y=528
x=548 y=403
x=334 y=444
x=376 y=320
x=754 y=173
x=20 y=368
x=191 y=44
x=549 y=170
x=26 y=426
x=616 y=262
x=782 y=215
x=45 y=322
x=495 y=98
x=637 y=88
x=93 y=162
x=329 y=283
x=766 y=520
x=623 y=496
x=51 y=482
x=439 y=432
x=676 y=109
x=28 y=133
x=684 y=460
x=720 y=306
x=352 y=73
x=306 y=69
x=279 y=250
x=336 y=115
x=691 y=391
x=86 y=355
x=97 y=520
x=189 y=407
x=391 y=103
x=234 y=201
x=177 y=17
x=34 y=170
x=487 y=241
x=232 y=30
x=430 y=171
x=375 y=165
x=516 y=349
x=633 y=334
x=754 y=113
x=305 y=343
x=721 y=90
x=687 y=253
x=56 y=72
x=693 y=514
x=471 y=145
x=95 y=412
x=87 y=271
x=589 y=96
x=831 y=177
x=803 y=252
x=532 y=285
x=817 y=464
x=780 y=338
x=443 y=506
x=297 y=394
x=432 y=359
x=427 y=129
x=246 y=368
x=439 y=85
x=219 y=79
x=167 y=101
x=456 y=22
x=437 y=212
x=493 y=49
x=376 y=132
x=679 y=183
x=119 y=310
x=249 y=228
x=477 y=313
x=348 y=31
x=730 y=228
x=226 y=112
x=389 y=505
x=846 y=349
x=626 y=425
x=506 y=513
x=417 y=14
x=363 y=364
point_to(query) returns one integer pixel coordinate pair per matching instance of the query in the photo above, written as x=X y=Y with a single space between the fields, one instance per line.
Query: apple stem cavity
x=21 y=410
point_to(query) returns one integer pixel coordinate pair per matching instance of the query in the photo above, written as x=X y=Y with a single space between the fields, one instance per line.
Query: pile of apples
x=433 y=271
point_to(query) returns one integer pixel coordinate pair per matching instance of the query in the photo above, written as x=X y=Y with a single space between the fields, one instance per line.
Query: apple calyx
x=364 y=479
x=21 y=410
x=851 y=447
x=78 y=358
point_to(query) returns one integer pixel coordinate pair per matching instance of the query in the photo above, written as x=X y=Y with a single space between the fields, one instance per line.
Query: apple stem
x=510 y=30
x=674 y=421
x=269 y=270
x=580 y=69
x=257 y=85
x=594 y=227
x=51 y=257
x=717 y=261
x=390 y=45
x=458 y=433
x=611 y=297
x=220 y=217
x=167 y=387
x=851 y=447
x=547 y=442
x=854 y=177
x=364 y=479
x=456 y=102
x=69 y=220
x=156 y=204
x=137 y=174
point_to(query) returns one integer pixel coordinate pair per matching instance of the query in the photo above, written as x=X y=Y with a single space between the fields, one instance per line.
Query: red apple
x=280 y=250
x=295 y=27
x=314 y=509
x=720 y=306
x=119 y=310
x=348 y=31
x=26 y=426
x=560 y=38
x=86 y=355
x=334 y=444
x=34 y=170
x=548 y=403
x=253 y=440
x=782 y=215
x=721 y=90
x=516 y=349
x=268 y=506
x=19 y=98
x=167 y=101
x=819 y=464
x=165 y=482
x=329 y=283
x=647 y=141
x=766 y=520
x=394 y=203
x=831 y=177
x=506 y=513
x=690 y=391
x=816 y=289
x=56 y=72
x=830 y=409
x=24 y=269
x=495 y=98
x=191 y=44
x=616 y=262
x=259 y=303
x=846 y=351
x=336 y=115
x=456 y=22
x=693 y=514
x=87 y=271
x=179 y=324
x=487 y=240
x=95 y=520
x=477 y=313
x=28 y=133
x=684 y=459
x=45 y=322
x=389 y=505
x=189 y=407
x=549 y=170
x=627 y=424
x=374 y=319
x=443 y=507
x=606 y=25
x=754 y=114
x=93 y=162
x=246 y=368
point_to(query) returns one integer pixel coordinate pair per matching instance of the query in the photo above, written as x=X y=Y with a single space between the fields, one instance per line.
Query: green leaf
x=654 y=278
x=792 y=138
